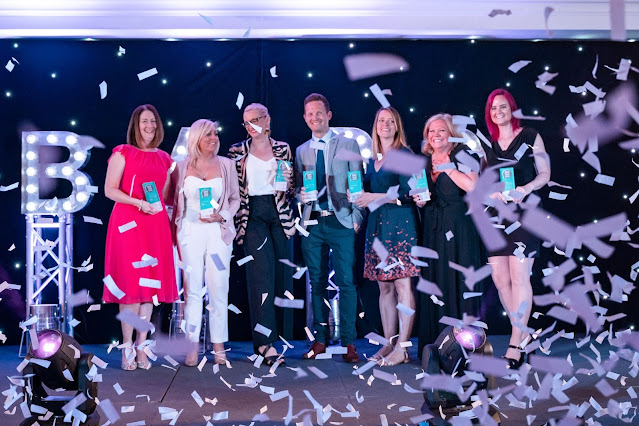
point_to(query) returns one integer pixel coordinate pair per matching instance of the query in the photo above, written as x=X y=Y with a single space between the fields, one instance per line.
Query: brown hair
x=448 y=120
x=133 y=136
x=317 y=97
x=399 y=140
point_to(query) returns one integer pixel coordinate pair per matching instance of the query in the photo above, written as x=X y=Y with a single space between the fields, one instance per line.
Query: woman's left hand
x=524 y=191
x=366 y=198
x=215 y=217
x=288 y=174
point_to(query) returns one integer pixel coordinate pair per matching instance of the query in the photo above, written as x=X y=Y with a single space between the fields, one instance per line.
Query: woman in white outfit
x=205 y=198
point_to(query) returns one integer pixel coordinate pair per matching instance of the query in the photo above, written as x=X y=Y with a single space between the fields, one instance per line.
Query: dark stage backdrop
x=444 y=76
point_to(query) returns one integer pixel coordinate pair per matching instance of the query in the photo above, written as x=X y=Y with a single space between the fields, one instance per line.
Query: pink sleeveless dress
x=150 y=236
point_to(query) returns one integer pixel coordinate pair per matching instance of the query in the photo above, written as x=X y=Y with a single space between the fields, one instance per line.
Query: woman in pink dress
x=139 y=254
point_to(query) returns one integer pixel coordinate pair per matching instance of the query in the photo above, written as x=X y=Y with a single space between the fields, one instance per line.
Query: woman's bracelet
x=140 y=206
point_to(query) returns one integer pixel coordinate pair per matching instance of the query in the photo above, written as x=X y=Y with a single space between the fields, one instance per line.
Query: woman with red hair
x=512 y=265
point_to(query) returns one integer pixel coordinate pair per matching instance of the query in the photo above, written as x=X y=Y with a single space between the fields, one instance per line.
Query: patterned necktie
x=320 y=175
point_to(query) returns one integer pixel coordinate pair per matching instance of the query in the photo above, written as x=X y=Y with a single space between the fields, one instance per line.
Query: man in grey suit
x=332 y=156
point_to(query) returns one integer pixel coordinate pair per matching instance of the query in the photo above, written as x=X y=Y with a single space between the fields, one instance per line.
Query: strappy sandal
x=129 y=366
x=405 y=359
x=271 y=359
x=384 y=351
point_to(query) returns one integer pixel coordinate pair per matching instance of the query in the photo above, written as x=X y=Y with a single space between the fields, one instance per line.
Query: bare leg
x=220 y=355
x=501 y=278
x=388 y=314
x=127 y=329
x=406 y=297
x=145 y=311
x=521 y=292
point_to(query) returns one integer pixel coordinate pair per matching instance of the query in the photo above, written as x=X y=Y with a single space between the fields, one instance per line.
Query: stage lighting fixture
x=57 y=362
x=447 y=356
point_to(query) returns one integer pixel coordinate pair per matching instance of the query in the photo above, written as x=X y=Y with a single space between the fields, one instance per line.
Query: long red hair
x=493 y=129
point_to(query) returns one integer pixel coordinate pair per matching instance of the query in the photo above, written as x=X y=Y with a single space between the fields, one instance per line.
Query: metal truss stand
x=49 y=259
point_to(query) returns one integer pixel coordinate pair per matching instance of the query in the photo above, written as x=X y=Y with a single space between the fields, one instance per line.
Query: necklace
x=208 y=166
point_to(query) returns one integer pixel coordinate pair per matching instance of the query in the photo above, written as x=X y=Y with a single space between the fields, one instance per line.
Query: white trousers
x=198 y=241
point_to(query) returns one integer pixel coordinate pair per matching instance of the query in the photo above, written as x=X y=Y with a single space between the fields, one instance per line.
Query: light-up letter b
x=81 y=192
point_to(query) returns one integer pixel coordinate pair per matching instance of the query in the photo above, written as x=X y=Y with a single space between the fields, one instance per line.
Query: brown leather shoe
x=316 y=349
x=351 y=354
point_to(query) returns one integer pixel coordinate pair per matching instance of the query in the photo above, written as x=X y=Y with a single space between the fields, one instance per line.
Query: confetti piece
x=103 y=89
x=605 y=179
x=273 y=72
x=365 y=65
x=496 y=12
x=240 y=100
x=243 y=260
x=127 y=226
x=286 y=303
x=10 y=65
x=198 y=399
x=234 y=309
x=150 y=283
x=449 y=235
x=319 y=373
x=405 y=309
x=9 y=187
x=381 y=98
x=403 y=163
x=135 y=321
x=200 y=366
x=515 y=67
x=118 y=388
x=262 y=330
x=112 y=287
x=518 y=114
x=468 y=295
x=147 y=73
x=557 y=196
x=218 y=262
x=309 y=334
x=617 y=20
x=297 y=275
x=89 y=219
x=547 y=11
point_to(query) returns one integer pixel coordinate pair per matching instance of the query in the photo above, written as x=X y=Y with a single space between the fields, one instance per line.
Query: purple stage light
x=50 y=341
x=470 y=337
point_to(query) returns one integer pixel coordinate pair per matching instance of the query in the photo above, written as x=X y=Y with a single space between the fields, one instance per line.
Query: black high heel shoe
x=515 y=364
x=268 y=360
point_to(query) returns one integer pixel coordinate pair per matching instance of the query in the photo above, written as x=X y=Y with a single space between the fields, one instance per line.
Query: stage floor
x=328 y=382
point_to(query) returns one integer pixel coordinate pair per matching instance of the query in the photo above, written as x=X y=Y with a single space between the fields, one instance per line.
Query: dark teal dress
x=395 y=226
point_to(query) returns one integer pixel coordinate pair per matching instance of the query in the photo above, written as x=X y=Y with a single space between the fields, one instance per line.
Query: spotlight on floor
x=447 y=356
x=56 y=361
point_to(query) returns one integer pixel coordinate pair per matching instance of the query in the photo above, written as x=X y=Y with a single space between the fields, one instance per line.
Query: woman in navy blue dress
x=394 y=224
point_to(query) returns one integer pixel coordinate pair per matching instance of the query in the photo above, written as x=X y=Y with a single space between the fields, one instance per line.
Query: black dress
x=446 y=211
x=525 y=171
x=395 y=226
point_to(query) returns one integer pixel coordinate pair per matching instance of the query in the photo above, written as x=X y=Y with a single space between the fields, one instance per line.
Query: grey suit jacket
x=337 y=176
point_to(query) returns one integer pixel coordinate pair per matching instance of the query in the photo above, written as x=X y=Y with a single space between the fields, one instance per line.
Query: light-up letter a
x=82 y=190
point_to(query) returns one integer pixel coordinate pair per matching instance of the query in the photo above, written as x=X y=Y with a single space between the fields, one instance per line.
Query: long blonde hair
x=448 y=120
x=399 y=139
x=197 y=131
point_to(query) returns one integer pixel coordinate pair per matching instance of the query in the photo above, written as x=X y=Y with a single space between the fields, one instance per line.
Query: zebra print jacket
x=239 y=152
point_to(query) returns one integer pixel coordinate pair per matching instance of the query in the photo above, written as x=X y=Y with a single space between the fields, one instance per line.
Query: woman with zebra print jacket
x=264 y=223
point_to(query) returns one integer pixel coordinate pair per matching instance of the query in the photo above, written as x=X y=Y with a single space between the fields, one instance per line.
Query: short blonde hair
x=263 y=110
x=448 y=120
x=196 y=133
x=399 y=139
